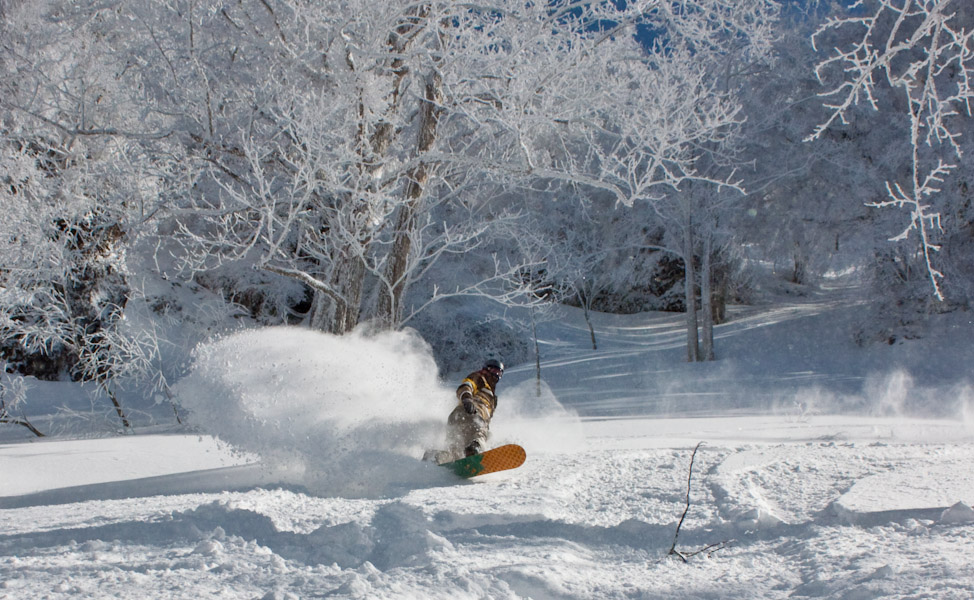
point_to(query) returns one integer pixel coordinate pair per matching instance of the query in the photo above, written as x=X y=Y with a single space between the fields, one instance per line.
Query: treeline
x=165 y=166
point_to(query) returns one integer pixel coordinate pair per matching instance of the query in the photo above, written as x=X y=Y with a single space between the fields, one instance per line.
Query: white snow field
x=825 y=471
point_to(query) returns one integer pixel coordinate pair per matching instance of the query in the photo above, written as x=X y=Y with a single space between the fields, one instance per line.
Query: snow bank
x=937 y=485
x=343 y=415
x=48 y=464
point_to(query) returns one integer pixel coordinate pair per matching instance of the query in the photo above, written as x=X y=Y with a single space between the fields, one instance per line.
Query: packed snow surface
x=806 y=467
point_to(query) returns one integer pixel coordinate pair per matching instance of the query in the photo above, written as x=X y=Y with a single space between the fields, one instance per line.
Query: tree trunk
x=6 y=418
x=690 y=293
x=322 y=311
x=591 y=329
x=800 y=270
x=338 y=309
x=390 y=302
x=351 y=280
x=584 y=300
x=706 y=298
x=720 y=285
x=537 y=354
x=118 y=405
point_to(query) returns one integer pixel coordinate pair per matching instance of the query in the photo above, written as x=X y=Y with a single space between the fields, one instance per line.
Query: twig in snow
x=685 y=556
x=686 y=509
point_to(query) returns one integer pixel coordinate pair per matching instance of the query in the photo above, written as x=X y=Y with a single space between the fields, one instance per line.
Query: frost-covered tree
x=618 y=118
x=315 y=161
x=75 y=185
x=63 y=285
x=806 y=202
x=710 y=130
x=374 y=122
x=914 y=57
x=61 y=278
x=323 y=176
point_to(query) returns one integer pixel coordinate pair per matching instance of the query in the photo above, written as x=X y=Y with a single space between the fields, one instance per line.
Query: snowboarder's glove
x=468 y=406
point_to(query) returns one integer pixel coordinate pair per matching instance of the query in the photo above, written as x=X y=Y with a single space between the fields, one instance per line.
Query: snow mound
x=958 y=513
x=909 y=489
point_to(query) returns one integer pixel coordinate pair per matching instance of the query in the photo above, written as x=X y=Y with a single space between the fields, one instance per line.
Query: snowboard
x=501 y=458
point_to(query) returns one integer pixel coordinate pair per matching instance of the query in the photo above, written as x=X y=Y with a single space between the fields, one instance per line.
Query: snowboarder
x=469 y=423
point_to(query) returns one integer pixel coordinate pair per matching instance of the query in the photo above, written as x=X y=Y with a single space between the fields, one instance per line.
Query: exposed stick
x=686 y=509
x=685 y=556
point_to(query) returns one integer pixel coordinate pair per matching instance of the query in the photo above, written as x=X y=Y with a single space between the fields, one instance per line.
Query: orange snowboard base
x=501 y=458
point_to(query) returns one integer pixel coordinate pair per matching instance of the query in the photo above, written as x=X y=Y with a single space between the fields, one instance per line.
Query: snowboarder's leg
x=458 y=425
x=477 y=443
x=467 y=434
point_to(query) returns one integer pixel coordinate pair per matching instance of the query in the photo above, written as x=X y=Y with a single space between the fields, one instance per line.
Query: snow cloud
x=529 y=414
x=348 y=415
x=897 y=393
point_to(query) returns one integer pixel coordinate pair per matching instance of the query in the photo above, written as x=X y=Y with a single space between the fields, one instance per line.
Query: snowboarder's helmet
x=495 y=366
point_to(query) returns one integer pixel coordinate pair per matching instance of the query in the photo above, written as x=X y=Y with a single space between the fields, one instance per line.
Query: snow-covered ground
x=823 y=471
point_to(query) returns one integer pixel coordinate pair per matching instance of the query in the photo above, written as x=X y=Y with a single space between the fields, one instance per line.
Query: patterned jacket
x=478 y=387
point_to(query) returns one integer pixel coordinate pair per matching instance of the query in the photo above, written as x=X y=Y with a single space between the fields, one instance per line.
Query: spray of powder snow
x=889 y=394
x=346 y=415
x=897 y=393
x=350 y=415
x=529 y=414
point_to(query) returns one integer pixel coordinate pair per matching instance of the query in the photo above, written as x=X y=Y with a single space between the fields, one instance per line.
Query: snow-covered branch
x=922 y=49
x=13 y=395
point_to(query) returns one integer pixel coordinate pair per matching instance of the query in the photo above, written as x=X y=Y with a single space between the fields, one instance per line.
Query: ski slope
x=823 y=471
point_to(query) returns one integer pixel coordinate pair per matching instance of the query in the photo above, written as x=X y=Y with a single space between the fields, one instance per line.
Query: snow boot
x=473 y=448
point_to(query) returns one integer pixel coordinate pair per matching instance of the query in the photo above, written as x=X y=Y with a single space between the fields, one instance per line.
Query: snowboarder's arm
x=465 y=394
x=467 y=389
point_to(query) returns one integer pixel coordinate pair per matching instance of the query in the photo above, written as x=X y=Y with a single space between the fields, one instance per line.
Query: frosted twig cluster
x=919 y=48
